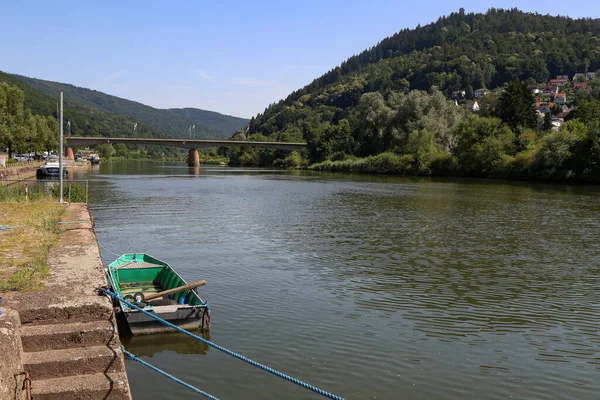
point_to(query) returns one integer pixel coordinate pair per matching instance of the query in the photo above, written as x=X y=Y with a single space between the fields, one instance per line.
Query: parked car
x=23 y=157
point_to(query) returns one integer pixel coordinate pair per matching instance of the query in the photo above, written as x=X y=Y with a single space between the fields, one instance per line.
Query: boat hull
x=49 y=171
x=188 y=318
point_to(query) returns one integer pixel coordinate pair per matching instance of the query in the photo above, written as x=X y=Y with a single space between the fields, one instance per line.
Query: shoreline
x=65 y=336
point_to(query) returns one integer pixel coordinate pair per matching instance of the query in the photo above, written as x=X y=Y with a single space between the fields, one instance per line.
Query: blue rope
x=227 y=351
x=160 y=371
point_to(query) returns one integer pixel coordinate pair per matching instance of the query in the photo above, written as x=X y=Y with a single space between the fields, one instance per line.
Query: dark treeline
x=388 y=109
x=175 y=122
x=20 y=130
x=28 y=123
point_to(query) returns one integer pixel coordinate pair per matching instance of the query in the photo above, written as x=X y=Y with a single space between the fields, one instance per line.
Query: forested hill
x=85 y=120
x=462 y=51
x=224 y=123
x=208 y=124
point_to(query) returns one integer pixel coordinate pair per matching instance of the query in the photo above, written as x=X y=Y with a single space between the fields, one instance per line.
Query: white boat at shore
x=51 y=168
x=94 y=159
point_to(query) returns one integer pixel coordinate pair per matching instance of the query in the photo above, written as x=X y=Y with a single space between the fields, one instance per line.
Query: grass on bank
x=24 y=248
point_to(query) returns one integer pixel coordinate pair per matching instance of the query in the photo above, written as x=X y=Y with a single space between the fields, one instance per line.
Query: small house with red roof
x=559 y=82
x=560 y=98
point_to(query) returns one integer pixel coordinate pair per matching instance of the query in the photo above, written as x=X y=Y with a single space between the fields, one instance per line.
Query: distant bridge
x=191 y=144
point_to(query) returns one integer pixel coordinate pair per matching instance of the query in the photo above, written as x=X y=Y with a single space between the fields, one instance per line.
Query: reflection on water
x=149 y=345
x=369 y=286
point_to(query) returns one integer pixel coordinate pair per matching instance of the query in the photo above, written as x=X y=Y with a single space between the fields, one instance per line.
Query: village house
x=535 y=89
x=560 y=98
x=562 y=77
x=559 y=82
x=543 y=107
x=479 y=93
x=591 y=75
x=578 y=76
x=556 y=124
x=580 y=86
x=550 y=89
x=458 y=95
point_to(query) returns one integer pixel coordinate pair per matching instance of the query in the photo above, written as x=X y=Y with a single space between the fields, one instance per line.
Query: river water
x=369 y=287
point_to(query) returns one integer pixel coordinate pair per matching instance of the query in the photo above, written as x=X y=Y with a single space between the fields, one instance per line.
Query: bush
x=559 y=157
x=73 y=192
x=384 y=163
x=293 y=161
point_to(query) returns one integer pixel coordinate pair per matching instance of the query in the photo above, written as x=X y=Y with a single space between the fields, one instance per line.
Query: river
x=369 y=287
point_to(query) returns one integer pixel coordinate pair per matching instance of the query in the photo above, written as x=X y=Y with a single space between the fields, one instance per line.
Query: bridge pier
x=193 y=158
x=69 y=155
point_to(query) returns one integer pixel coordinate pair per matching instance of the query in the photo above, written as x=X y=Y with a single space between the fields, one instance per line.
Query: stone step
x=81 y=309
x=67 y=362
x=65 y=336
x=111 y=386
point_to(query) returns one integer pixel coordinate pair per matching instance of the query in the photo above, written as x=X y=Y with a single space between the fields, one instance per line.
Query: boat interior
x=148 y=275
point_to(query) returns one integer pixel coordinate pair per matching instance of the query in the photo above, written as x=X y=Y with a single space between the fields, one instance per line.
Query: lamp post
x=60 y=152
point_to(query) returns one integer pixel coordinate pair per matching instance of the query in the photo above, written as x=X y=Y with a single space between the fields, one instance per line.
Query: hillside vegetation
x=28 y=124
x=176 y=123
x=388 y=109
x=224 y=123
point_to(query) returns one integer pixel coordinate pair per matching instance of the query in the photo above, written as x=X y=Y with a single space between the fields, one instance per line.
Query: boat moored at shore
x=51 y=168
x=94 y=159
x=155 y=286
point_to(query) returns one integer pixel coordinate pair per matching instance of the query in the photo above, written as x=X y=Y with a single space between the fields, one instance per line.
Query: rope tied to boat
x=225 y=350
x=133 y=357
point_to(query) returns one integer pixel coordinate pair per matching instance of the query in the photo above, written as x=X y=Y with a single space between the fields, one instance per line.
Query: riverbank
x=69 y=342
x=18 y=172
x=393 y=164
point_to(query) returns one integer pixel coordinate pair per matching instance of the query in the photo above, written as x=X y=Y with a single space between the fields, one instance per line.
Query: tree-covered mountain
x=462 y=51
x=177 y=123
x=407 y=105
x=84 y=120
x=224 y=123
x=22 y=109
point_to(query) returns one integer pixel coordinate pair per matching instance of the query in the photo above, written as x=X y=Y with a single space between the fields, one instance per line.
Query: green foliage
x=73 y=192
x=570 y=153
x=361 y=116
x=483 y=144
x=547 y=125
x=462 y=51
x=225 y=124
x=429 y=156
x=384 y=163
x=516 y=106
x=176 y=122
x=293 y=161
x=19 y=129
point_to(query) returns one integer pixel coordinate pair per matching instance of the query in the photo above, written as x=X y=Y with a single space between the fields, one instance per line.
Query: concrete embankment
x=65 y=336
x=18 y=172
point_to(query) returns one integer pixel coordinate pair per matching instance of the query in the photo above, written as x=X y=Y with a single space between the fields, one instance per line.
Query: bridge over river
x=191 y=145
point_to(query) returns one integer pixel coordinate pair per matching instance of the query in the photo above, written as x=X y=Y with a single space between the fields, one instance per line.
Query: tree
x=483 y=145
x=516 y=106
x=13 y=115
x=547 y=125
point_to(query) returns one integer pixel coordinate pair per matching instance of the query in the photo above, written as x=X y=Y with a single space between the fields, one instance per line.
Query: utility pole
x=60 y=152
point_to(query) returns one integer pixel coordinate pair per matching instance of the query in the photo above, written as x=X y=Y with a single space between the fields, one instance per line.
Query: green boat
x=141 y=278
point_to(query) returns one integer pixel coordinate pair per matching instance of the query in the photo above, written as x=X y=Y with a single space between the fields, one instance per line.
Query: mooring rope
x=108 y=251
x=160 y=371
x=227 y=351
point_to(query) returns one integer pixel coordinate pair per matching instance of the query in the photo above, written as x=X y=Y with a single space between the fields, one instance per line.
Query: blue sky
x=234 y=57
